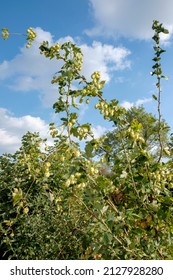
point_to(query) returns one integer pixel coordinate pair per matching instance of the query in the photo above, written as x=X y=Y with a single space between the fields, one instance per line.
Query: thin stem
x=158 y=28
x=68 y=113
x=19 y=34
x=98 y=219
x=103 y=223
x=159 y=119
x=129 y=165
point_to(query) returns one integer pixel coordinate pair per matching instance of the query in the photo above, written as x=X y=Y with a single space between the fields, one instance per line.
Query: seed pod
x=67 y=183
x=25 y=210
x=72 y=177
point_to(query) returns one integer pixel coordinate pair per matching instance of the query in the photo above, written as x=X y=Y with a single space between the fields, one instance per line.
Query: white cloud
x=83 y=108
x=31 y=71
x=131 y=18
x=140 y=102
x=119 y=80
x=13 y=128
x=99 y=130
x=104 y=58
x=127 y=105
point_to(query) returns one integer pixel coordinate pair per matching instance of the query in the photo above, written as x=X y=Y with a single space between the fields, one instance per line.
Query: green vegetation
x=58 y=202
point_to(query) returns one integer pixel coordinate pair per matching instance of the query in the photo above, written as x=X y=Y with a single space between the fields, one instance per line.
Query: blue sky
x=115 y=37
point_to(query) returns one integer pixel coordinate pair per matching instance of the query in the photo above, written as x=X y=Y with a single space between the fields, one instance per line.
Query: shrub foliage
x=61 y=202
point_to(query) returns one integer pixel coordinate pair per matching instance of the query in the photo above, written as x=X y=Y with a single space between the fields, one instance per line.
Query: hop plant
x=5 y=33
x=31 y=35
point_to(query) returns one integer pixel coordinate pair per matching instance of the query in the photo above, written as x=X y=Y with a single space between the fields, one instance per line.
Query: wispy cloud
x=132 y=18
x=104 y=58
x=30 y=71
x=127 y=105
x=99 y=130
x=13 y=128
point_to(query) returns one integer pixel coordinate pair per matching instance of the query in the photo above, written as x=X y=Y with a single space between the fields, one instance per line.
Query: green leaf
x=17 y=195
x=60 y=105
x=107 y=238
x=64 y=119
x=74 y=131
x=104 y=209
x=164 y=77
x=89 y=150
x=154 y=97
x=156 y=59
x=159 y=71
x=165 y=31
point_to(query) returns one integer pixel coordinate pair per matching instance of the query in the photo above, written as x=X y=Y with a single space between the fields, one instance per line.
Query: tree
x=149 y=132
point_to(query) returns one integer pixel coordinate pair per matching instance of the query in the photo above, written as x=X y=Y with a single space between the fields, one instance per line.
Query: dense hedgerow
x=59 y=202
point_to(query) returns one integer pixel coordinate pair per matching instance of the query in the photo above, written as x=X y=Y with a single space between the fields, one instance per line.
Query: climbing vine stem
x=157 y=71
